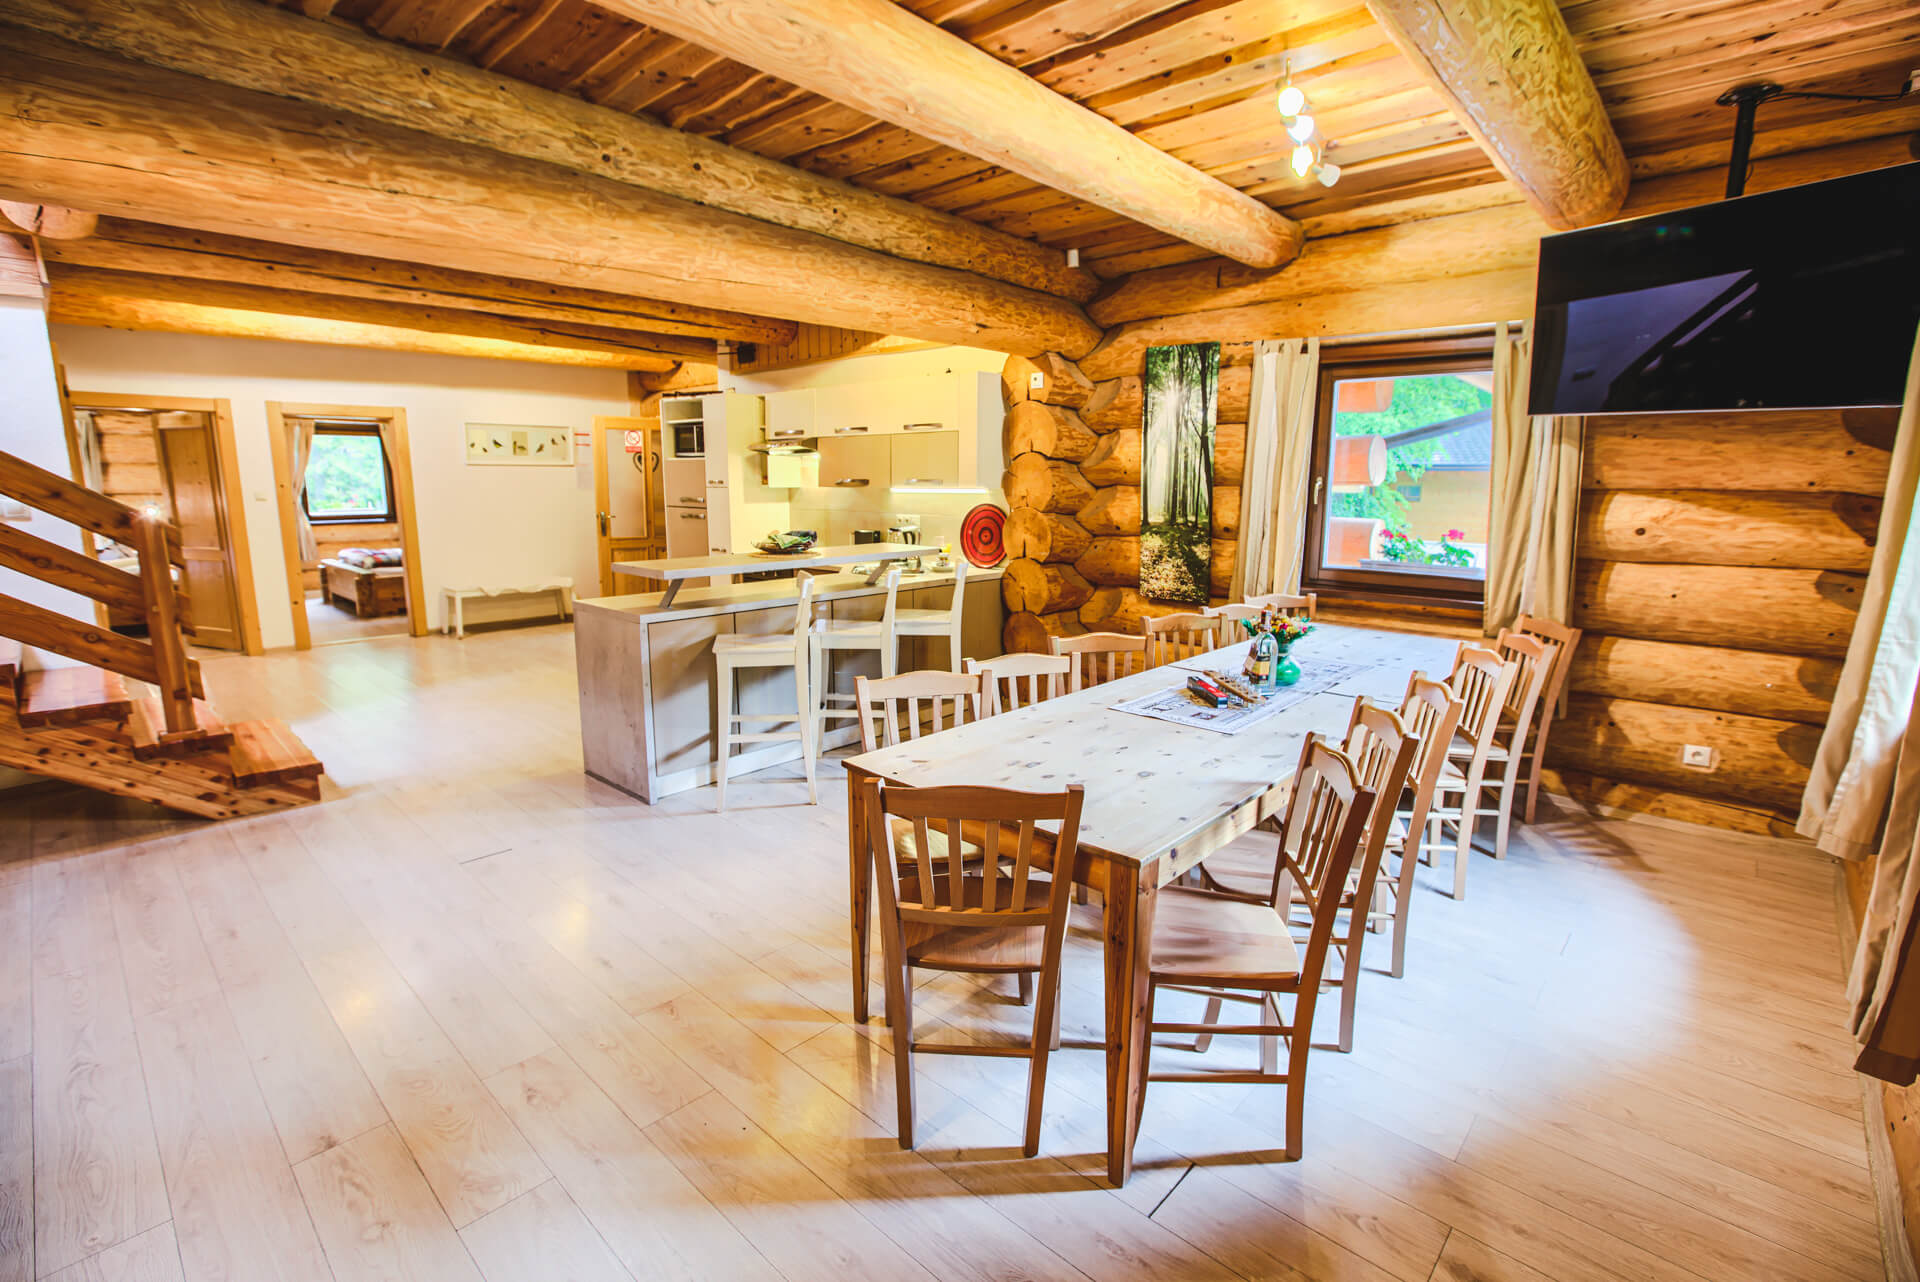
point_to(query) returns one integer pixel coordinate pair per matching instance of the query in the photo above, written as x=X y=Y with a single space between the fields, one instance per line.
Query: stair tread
x=148 y=726
x=10 y=655
x=267 y=751
x=62 y=696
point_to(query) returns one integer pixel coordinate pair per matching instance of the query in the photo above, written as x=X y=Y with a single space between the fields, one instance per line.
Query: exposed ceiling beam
x=102 y=133
x=78 y=291
x=49 y=222
x=252 y=46
x=1515 y=80
x=885 y=60
x=127 y=246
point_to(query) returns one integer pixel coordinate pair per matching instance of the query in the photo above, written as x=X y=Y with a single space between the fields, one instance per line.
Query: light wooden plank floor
x=479 y=1017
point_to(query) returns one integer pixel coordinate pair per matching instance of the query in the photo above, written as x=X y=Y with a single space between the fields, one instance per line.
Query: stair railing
x=162 y=658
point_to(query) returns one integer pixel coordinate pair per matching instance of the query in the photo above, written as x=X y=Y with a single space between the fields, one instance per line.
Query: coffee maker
x=905 y=528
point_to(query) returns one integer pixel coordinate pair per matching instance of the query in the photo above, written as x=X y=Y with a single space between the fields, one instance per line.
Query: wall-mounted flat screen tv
x=1799 y=298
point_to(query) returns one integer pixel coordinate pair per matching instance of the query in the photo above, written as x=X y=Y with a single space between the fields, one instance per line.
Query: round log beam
x=1112 y=561
x=1033 y=480
x=1113 y=510
x=1041 y=588
x=1045 y=536
x=1033 y=428
x=1049 y=378
x=52 y=222
x=1115 y=459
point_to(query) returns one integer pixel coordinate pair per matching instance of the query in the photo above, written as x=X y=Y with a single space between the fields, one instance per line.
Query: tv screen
x=1799 y=298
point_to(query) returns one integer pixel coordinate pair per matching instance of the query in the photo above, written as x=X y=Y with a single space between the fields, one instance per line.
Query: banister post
x=163 y=623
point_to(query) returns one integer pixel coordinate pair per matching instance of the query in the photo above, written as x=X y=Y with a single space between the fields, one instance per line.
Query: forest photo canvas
x=1176 y=473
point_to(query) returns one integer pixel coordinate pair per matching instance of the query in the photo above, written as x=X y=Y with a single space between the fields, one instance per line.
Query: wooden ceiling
x=1196 y=79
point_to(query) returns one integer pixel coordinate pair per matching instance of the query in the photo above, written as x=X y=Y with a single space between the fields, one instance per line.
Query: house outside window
x=1400 y=502
x=348 y=477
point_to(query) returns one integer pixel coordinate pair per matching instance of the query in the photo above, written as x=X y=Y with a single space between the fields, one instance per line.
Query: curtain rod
x=1438 y=331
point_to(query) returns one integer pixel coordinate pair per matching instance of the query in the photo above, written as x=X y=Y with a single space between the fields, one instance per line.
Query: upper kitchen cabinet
x=791 y=415
x=955 y=415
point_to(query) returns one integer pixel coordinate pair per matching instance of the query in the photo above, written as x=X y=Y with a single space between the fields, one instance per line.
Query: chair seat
x=1245 y=865
x=848 y=629
x=988 y=949
x=1462 y=747
x=1203 y=939
x=905 y=851
x=776 y=646
x=921 y=623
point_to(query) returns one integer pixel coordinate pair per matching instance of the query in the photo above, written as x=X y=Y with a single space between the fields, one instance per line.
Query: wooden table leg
x=860 y=889
x=1128 y=916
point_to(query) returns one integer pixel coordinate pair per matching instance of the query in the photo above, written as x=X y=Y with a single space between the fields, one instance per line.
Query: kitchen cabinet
x=923 y=460
x=790 y=415
x=845 y=459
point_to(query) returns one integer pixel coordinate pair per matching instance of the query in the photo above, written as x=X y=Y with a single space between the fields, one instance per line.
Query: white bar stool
x=935 y=623
x=830 y=635
x=734 y=651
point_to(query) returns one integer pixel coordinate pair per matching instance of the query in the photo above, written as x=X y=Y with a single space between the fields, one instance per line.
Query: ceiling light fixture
x=1301 y=128
x=1303 y=159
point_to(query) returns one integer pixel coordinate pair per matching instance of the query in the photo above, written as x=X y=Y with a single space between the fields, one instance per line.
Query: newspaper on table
x=1182 y=708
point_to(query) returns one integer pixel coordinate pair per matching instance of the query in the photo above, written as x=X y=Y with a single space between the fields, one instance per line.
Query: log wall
x=1722 y=557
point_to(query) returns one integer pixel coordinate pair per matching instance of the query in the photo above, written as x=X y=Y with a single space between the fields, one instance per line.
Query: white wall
x=487 y=526
x=835 y=513
x=32 y=428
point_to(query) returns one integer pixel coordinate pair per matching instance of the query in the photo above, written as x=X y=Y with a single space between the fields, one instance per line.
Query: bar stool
x=831 y=635
x=934 y=623
x=733 y=651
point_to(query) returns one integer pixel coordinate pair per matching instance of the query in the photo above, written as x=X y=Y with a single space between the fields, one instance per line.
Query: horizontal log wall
x=1722 y=558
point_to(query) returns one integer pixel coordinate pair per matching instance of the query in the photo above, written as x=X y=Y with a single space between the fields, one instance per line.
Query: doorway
x=176 y=454
x=629 y=506
x=344 y=479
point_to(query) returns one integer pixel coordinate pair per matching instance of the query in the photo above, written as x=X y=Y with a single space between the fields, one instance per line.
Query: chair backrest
x=1099 y=657
x=893 y=601
x=1231 y=614
x=1479 y=680
x=1567 y=639
x=1382 y=748
x=936 y=890
x=802 y=622
x=1430 y=710
x=1021 y=680
x=894 y=707
x=959 y=605
x=1287 y=603
x=1533 y=661
x=1327 y=817
x=1173 y=637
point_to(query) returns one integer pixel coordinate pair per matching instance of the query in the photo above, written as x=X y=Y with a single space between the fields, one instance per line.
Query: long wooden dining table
x=1160 y=797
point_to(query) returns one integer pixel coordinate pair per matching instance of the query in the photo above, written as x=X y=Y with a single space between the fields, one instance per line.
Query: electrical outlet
x=1697 y=756
x=1037 y=381
x=14 y=510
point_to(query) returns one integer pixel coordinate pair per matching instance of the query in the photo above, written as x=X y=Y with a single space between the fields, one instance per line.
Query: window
x=1402 y=452
x=347 y=476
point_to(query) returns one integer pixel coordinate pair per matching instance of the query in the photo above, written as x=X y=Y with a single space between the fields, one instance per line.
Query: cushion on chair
x=1204 y=939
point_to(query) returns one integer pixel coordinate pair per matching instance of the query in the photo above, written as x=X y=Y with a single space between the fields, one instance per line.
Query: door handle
x=1318 y=482
x=605 y=517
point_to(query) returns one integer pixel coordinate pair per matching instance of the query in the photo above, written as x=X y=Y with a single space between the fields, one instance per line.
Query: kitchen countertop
x=653 y=607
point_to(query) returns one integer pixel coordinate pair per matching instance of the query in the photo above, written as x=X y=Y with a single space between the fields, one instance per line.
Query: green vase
x=1286 y=672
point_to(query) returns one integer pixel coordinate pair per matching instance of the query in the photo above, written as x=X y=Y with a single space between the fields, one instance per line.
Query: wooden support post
x=163 y=625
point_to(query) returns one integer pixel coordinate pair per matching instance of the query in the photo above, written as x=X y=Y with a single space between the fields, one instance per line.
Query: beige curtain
x=301 y=430
x=1273 y=497
x=1535 y=496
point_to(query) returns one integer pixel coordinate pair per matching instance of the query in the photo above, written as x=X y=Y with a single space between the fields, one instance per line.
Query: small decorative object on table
x=1269 y=660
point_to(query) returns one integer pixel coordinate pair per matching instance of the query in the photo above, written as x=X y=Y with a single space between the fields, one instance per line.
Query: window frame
x=391 y=513
x=1466 y=354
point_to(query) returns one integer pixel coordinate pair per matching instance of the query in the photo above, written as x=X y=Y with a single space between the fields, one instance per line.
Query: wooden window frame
x=1382 y=360
x=391 y=513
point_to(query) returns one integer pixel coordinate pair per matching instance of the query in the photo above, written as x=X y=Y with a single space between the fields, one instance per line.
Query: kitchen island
x=648 y=694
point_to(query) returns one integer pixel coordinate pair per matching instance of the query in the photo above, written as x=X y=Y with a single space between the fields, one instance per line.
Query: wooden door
x=190 y=466
x=628 y=490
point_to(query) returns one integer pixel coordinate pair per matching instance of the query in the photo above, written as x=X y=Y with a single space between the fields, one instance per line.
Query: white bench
x=454 y=614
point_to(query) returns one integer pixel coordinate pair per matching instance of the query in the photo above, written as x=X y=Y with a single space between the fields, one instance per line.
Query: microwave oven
x=689 y=440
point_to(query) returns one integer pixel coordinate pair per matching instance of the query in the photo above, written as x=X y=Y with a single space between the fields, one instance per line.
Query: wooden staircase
x=83 y=724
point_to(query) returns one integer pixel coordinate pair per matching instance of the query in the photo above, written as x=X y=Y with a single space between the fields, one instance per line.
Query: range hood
x=784 y=449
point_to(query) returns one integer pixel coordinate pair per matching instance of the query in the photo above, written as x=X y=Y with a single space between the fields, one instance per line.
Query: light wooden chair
x=1230 y=617
x=1430 y=711
x=1480 y=680
x=1021 y=680
x=1532 y=661
x=939 y=623
x=836 y=636
x=1307 y=603
x=950 y=914
x=1173 y=637
x=1536 y=750
x=1382 y=749
x=734 y=651
x=1227 y=950
x=1100 y=657
x=915 y=703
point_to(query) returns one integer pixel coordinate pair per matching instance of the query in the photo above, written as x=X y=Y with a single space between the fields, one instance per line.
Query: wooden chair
x=1430 y=711
x=1228 y=950
x=1021 y=680
x=734 y=651
x=975 y=918
x=1173 y=637
x=940 y=623
x=1536 y=750
x=1479 y=680
x=1382 y=749
x=1532 y=661
x=1285 y=603
x=1099 y=657
x=915 y=703
x=831 y=636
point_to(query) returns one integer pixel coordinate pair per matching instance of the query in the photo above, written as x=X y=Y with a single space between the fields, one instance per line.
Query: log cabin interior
x=606 y=604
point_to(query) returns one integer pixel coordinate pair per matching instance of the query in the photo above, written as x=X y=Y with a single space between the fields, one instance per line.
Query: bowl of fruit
x=787 y=542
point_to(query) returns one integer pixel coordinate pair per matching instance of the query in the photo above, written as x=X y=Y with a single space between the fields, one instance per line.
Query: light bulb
x=1302 y=160
x=1301 y=129
x=1292 y=100
x=1328 y=173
